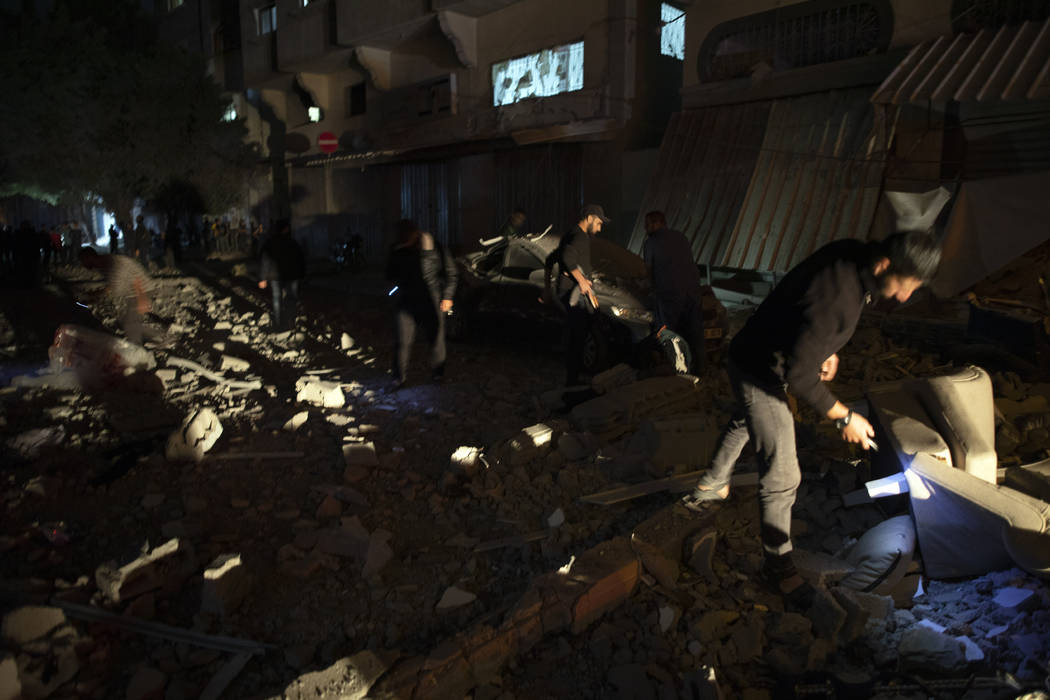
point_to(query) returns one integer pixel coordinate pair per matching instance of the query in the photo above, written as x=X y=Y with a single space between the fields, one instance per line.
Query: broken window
x=548 y=72
x=672 y=31
x=266 y=19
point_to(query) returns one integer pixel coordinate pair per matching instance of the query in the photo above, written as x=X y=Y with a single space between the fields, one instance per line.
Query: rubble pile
x=274 y=521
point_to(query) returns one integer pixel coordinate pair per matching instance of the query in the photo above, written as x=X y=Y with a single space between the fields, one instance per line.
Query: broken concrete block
x=556 y=519
x=330 y=508
x=296 y=421
x=530 y=443
x=714 y=625
x=198 y=434
x=341 y=542
x=166 y=566
x=466 y=460
x=923 y=649
x=856 y=615
x=147 y=684
x=234 y=364
x=662 y=567
x=226 y=584
x=687 y=439
x=361 y=454
x=700 y=552
x=818 y=568
x=972 y=651
x=166 y=376
x=379 y=553
x=10 y=686
x=41 y=674
x=31 y=622
x=345 y=341
x=1016 y=599
x=310 y=389
x=827 y=616
x=455 y=597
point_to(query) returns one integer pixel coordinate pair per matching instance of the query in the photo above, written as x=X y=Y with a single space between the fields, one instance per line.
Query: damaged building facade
x=374 y=111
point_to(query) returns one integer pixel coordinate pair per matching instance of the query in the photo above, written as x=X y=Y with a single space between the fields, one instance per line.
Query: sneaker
x=698 y=498
x=783 y=579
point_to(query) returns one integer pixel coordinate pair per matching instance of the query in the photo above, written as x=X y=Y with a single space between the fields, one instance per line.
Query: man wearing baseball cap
x=574 y=285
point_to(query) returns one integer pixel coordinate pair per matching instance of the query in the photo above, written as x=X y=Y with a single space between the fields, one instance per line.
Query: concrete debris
x=31 y=622
x=345 y=341
x=30 y=443
x=1016 y=599
x=45 y=668
x=360 y=454
x=10 y=685
x=164 y=568
x=379 y=553
x=99 y=360
x=923 y=649
x=465 y=461
x=686 y=440
x=147 y=684
x=620 y=410
x=227 y=583
x=556 y=519
x=454 y=597
x=234 y=364
x=199 y=432
x=297 y=421
x=311 y=390
x=350 y=678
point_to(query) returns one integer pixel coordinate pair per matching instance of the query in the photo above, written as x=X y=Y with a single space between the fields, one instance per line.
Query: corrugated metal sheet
x=545 y=181
x=763 y=185
x=430 y=197
x=1011 y=63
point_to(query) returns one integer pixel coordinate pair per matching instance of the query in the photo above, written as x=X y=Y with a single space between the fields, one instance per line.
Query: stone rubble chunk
x=226 y=584
x=454 y=597
x=10 y=685
x=318 y=392
x=346 y=342
x=330 y=507
x=668 y=616
x=350 y=678
x=167 y=376
x=556 y=519
x=361 y=454
x=234 y=364
x=379 y=553
x=713 y=625
x=922 y=649
x=465 y=460
x=1016 y=599
x=616 y=376
x=147 y=684
x=973 y=652
x=30 y=622
x=199 y=432
x=296 y=421
x=43 y=670
x=166 y=566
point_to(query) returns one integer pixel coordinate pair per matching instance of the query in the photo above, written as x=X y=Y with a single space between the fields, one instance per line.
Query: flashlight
x=391 y=292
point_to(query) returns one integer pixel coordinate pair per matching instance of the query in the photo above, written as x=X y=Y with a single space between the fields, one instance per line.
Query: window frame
x=260 y=13
x=664 y=24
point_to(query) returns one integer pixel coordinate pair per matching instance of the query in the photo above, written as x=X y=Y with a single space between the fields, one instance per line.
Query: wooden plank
x=674 y=484
x=922 y=69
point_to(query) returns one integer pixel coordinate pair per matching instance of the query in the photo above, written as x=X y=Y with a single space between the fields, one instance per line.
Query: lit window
x=313 y=114
x=306 y=3
x=672 y=31
x=266 y=19
x=230 y=114
x=542 y=74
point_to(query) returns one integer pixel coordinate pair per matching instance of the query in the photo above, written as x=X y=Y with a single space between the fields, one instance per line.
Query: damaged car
x=508 y=280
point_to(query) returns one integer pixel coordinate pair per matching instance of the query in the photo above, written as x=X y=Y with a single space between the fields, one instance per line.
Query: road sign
x=328 y=142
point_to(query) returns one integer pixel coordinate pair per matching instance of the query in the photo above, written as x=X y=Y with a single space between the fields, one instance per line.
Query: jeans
x=578 y=322
x=285 y=299
x=762 y=415
x=406 y=320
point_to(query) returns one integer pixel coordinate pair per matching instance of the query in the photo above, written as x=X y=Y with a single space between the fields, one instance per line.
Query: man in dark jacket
x=790 y=344
x=423 y=275
x=675 y=284
x=573 y=286
x=282 y=266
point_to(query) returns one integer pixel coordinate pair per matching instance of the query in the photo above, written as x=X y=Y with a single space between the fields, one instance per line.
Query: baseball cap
x=596 y=210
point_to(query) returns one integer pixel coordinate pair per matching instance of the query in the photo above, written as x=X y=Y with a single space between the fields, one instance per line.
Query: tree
x=110 y=111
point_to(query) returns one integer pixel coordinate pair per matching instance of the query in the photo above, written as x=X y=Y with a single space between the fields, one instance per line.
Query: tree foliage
x=107 y=110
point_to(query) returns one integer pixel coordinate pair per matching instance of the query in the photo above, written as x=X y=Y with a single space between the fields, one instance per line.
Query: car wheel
x=595 y=351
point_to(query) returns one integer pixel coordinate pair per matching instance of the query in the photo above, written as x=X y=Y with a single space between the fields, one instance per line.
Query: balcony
x=379 y=23
x=472 y=8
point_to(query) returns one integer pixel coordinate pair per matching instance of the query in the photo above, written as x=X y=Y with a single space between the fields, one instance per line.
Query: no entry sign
x=328 y=142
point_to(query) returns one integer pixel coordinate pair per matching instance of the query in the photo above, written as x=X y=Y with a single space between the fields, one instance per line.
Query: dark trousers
x=285 y=299
x=577 y=325
x=763 y=416
x=685 y=317
x=407 y=318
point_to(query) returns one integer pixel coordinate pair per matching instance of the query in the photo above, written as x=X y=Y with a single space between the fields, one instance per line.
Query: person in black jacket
x=423 y=274
x=282 y=266
x=573 y=286
x=790 y=344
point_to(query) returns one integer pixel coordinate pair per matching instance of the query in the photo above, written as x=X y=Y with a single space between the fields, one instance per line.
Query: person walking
x=573 y=286
x=140 y=241
x=282 y=267
x=127 y=284
x=790 y=344
x=675 y=284
x=424 y=277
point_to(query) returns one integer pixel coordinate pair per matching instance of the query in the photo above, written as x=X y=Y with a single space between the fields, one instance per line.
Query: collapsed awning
x=1011 y=63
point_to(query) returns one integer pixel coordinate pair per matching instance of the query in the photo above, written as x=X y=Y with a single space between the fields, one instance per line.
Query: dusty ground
x=104 y=492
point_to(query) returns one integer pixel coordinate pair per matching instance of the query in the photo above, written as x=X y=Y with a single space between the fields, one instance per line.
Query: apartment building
x=450 y=112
